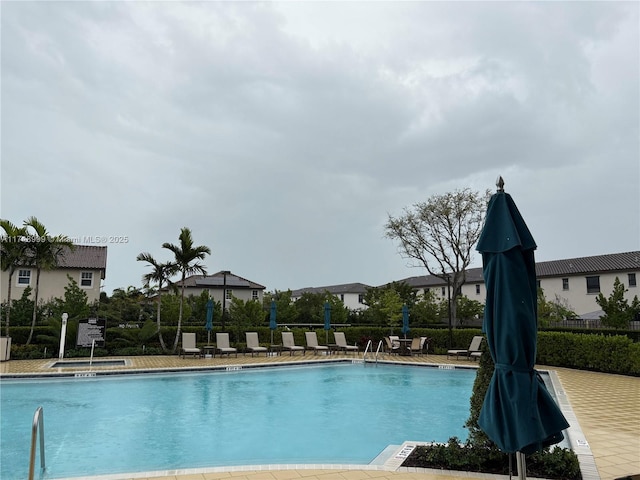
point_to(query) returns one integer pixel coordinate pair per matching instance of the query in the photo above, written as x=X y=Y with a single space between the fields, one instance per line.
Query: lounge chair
x=474 y=347
x=312 y=343
x=222 y=344
x=341 y=342
x=253 y=344
x=189 y=345
x=288 y=343
x=393 y=344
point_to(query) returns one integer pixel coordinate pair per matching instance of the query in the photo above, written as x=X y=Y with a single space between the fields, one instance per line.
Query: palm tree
x=186 y=262
x=43 y=252
x=12 y=249
x=160 y=273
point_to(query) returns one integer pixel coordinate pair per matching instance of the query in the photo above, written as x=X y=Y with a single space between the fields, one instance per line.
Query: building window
x=593 y=284
x=477 y=289
x=254 y=294
x=24 y=277
x=228 y=294
x=565 y=284
x=86 y=279
x=444 y=291
x=360 y=298
x=632 y=280
x=342 y=297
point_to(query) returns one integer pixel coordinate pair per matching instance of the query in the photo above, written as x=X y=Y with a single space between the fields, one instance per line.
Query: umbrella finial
x=500 y=183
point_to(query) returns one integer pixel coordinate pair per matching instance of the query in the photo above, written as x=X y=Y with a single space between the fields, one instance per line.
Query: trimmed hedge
x=601 y=353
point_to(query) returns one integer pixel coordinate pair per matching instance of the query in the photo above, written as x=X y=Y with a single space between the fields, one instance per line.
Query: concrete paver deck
x=607 y=408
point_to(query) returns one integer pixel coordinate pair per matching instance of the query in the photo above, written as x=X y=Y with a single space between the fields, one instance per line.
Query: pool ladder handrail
x=370 y=344
x=38 y=424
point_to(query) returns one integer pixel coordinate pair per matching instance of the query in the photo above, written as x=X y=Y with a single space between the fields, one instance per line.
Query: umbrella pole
x=208 y=338
x=522 y=466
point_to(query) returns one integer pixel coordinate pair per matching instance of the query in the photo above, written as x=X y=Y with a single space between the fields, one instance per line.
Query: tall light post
x=224 y=295
x=63 y=335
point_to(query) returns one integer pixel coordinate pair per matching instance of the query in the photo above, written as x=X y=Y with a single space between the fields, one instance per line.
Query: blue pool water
x=340 y=413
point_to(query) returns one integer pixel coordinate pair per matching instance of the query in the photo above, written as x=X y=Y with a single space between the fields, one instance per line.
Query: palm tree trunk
x=179 y=331
x=164 y=347
x=8 y=309
x=35 y=306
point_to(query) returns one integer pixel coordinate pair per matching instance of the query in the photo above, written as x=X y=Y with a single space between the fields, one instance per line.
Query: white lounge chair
x=288 y=343
x=222 y=344
x=189 y=345
x=341 y=342
x=312 y=343
x=253 y=344
x=474 y=347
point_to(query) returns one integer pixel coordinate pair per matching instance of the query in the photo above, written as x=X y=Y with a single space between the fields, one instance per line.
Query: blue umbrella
x=518 y=413
x=327 y=321
x=209 y=325
x=405 y=320
x=272 y=319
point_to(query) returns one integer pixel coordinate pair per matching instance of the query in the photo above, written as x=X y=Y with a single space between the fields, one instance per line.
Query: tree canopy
x=440 y=235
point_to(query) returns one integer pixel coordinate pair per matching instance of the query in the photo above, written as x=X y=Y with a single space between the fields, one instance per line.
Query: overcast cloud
x=283 y=134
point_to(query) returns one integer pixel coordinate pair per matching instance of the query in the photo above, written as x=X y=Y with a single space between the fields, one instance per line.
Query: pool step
x=385 y=455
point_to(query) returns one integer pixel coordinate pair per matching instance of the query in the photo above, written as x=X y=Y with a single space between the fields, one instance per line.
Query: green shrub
x=556 y=463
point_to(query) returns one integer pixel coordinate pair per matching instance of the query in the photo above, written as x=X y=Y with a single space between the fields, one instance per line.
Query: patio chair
x=222 y=345
x=476 y=342
x=341 y=342
x=312 y=343
x=415 y=346
x=392 y=344
x=424 y=344
x=253 y=344
x=288 y=343
x=189 y=345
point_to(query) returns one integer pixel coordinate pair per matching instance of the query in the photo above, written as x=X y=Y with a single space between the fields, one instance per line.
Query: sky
x=284 y=134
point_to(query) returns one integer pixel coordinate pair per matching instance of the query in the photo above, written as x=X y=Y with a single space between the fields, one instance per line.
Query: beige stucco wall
x=576 y=296
x=52 y=284
x=243 y=294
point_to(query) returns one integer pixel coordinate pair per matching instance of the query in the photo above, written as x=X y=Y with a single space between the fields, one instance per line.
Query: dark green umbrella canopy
x=273 y=324
x=518 y=413
x=327 y=321
x=209 y=325
x=405 y=320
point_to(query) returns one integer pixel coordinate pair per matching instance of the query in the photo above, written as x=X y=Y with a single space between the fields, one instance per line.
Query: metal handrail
x=38 y=423
x=366 y=349
x=370 y=344
x=380 y=345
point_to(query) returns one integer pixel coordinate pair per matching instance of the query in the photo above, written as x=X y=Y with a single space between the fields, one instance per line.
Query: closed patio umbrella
x=272 y=319
x=518 y=412
x=209 y=324
x=327 y=321
x=405 y=320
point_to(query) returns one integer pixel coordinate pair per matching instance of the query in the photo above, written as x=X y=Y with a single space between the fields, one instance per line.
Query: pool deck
x=606 y=407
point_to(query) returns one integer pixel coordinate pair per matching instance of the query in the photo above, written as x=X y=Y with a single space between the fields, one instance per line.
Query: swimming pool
x=339 y=413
